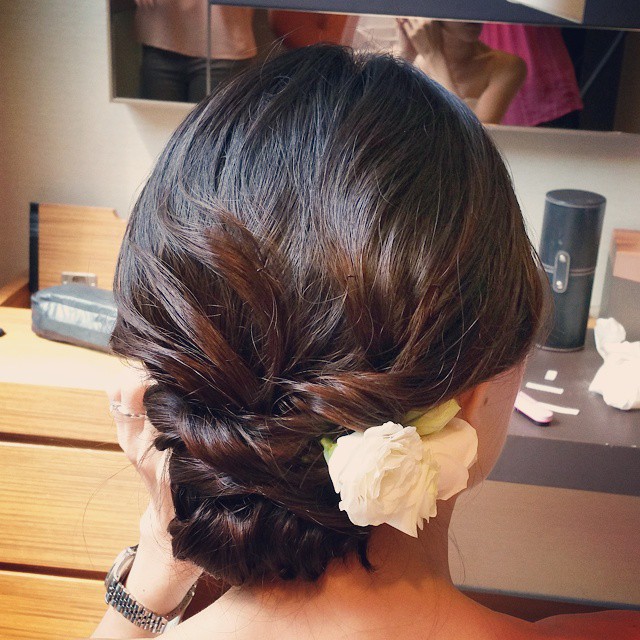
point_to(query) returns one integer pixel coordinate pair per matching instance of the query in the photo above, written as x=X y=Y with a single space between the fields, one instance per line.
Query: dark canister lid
x=576 y=198
x=572 y=225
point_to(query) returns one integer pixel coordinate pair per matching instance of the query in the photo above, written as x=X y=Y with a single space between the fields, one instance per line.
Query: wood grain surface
x=48 y=414
x=52 y=390
x=51 y=414
x=72 y=238
x=66 y=508
x=36 y=607
x=16 y=293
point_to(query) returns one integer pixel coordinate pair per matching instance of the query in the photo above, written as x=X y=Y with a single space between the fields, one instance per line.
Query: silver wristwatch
x=122 y=601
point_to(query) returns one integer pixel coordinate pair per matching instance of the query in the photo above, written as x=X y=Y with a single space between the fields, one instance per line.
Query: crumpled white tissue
x=618 y=379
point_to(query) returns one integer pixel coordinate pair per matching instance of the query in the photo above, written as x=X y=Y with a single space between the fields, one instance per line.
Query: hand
x=406 y=48
x=423 y=35
x=136 y=437
x=156 y=579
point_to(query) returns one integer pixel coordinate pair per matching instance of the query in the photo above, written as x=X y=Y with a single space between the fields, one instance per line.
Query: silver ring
x=115 y=411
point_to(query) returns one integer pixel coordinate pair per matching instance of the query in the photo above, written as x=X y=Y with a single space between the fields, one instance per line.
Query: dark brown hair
x=325 y=243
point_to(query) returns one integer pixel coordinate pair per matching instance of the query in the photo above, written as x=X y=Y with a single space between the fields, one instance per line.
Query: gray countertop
x=597 y=450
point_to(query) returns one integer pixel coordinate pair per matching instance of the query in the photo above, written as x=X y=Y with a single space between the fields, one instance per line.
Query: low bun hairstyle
x=327 y=242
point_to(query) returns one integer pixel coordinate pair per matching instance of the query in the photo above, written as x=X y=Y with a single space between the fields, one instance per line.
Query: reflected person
x=304 y=28
x=451 y=53
x=550 y=95
x=173 y=34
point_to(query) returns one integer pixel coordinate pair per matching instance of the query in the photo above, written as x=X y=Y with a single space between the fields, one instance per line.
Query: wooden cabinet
x=69 y=499
x=48 y=606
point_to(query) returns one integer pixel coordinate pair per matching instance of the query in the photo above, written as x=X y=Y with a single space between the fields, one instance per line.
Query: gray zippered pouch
x=74 y=313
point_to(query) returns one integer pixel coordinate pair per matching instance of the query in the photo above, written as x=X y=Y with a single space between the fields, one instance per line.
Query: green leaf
x=434 y=420
x=328 y=445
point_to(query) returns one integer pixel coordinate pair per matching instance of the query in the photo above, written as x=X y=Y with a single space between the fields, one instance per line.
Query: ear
x=488 y=407
x=473 y=400
x=497 y=393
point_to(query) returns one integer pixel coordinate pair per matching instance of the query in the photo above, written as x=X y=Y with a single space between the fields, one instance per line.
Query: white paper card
x=569 y=9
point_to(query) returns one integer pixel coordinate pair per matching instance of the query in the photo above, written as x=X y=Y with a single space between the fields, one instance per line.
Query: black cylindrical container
x=569 y=249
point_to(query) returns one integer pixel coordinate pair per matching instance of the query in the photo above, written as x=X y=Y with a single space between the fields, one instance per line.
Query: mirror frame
x=616 y=14
x=377 y=7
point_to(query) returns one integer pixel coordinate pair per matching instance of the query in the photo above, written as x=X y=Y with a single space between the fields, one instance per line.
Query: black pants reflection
x=166 y=75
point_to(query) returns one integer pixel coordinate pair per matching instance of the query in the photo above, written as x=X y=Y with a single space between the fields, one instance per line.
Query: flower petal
x=458 y=440
x=405 y=520
x=428 y=508
x=453 y=478
x=358 y=513
x=342 y=457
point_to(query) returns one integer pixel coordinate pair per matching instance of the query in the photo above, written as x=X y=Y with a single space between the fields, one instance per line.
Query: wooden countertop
x=27 y=359
x=51 y=391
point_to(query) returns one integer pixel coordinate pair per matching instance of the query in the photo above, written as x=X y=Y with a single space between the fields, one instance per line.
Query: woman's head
x=329 y=241
x=463 y=31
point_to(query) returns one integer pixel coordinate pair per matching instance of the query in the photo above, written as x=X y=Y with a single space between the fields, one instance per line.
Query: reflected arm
x=504 y=84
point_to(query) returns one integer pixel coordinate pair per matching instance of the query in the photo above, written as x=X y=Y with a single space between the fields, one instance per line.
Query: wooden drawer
x=38 y=607
x=67 y=508
x=54 y=414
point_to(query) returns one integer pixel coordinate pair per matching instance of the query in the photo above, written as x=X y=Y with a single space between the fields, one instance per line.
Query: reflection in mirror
x=167 y=42
x=506 y=73
x=452 y=53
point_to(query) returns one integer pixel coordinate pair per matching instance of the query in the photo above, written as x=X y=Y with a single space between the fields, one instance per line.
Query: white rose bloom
x=389 y=474
x=455 y=449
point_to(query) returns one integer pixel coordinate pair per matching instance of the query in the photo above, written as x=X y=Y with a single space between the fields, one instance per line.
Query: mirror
x=514 y=74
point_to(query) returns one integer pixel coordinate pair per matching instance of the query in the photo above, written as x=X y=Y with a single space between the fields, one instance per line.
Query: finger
x=135 y=433
x=128 y=412
x=133 y=384
x=130 y=432
x=130 y=376
x=147 y=437
x=132 y=440
x=136 y=437
x=151 y=463
x=125 y=415
x=412 y=28
x=113 y=391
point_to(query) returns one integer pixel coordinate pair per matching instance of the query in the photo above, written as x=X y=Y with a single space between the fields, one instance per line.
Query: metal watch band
x=122 y=601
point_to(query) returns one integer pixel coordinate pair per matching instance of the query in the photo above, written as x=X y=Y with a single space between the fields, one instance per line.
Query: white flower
x=455 y=450
x=390 y=474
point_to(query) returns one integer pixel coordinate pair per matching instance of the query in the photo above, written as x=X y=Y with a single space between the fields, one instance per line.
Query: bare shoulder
x=508 y=64
x=604 y=625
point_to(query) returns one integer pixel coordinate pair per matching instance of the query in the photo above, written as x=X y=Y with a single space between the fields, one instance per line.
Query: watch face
x=121 y=566
x=173 y=622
